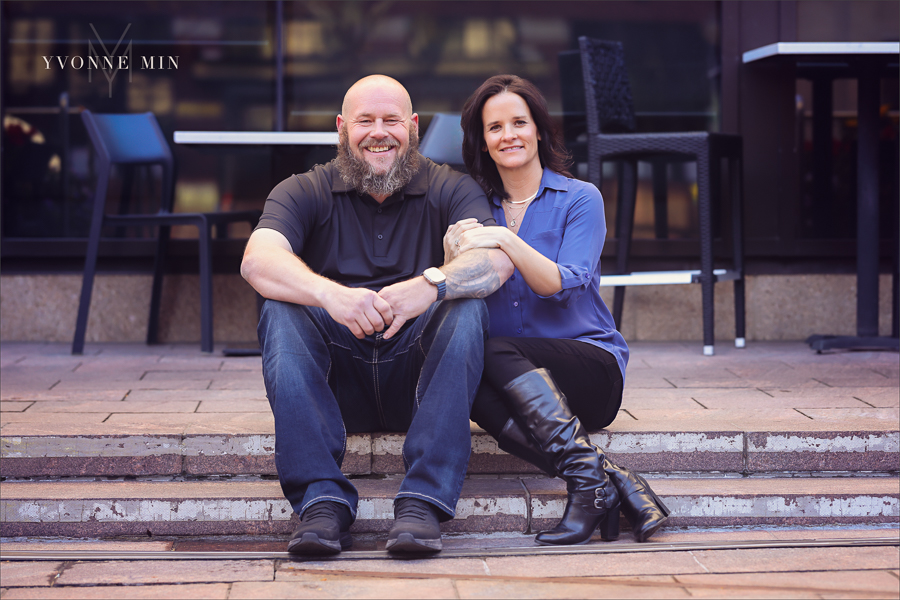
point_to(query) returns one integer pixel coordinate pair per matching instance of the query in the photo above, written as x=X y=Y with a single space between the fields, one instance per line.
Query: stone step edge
x=379 y=453
x=514 y=505
x=251 y=444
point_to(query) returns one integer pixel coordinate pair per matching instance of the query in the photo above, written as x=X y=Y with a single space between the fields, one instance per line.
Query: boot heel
x=609 y=526
x=659 y=503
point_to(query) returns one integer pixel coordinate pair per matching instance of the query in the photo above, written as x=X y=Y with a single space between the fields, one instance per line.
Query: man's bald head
x=376 y=85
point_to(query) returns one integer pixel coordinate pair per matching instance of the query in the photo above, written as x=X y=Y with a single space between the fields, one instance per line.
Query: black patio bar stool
x=611 y=137
x=136 y=140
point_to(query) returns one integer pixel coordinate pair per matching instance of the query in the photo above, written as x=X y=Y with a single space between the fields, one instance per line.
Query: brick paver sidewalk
x=787 y=572
x=127 y=387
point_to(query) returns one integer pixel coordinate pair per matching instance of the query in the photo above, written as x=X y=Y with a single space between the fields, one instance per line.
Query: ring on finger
x=457 y=242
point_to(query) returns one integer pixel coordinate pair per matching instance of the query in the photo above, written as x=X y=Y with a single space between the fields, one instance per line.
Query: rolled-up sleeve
x=582 y=243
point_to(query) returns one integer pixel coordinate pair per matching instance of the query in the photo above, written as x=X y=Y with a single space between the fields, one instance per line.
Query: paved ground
x=126 y=387
x=671 y=389
x=864 y=571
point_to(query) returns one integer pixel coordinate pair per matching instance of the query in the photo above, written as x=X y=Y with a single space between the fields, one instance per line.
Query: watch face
x=434 y=275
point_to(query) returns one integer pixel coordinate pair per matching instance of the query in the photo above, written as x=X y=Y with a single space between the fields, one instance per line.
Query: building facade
x=284 y=66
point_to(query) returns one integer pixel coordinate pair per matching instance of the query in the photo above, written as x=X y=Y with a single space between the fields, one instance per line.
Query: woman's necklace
x=512 y=221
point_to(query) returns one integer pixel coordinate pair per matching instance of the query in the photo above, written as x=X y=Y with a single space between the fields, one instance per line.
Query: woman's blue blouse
x=565 y=223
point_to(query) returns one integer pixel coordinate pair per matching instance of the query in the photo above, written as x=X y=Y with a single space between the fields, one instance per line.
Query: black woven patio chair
x=130 y=141
x=611 y=137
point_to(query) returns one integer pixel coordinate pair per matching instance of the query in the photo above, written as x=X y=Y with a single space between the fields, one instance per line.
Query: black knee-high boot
x=593 y=501
x=640 y=504
x=512 y=439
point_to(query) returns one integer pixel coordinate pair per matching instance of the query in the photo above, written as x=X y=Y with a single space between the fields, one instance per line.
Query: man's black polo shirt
x=353 y=240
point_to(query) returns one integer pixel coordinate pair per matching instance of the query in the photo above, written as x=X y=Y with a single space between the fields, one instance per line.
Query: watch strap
x=442 y=290
x=440 y=285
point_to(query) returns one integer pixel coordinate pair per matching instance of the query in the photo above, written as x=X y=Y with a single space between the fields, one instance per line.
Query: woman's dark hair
x=551 y=150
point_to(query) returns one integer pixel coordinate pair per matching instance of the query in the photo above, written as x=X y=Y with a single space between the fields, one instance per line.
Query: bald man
x=364 y=329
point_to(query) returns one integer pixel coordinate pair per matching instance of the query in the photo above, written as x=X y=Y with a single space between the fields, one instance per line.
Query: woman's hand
x=452 y=237
x=485 y=237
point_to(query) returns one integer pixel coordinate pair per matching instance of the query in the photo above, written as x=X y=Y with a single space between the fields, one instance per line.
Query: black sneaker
x=324 y=529
x=416 y=527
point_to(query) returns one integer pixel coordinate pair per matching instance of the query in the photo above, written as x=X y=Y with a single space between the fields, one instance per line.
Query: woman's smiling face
x=510 y=134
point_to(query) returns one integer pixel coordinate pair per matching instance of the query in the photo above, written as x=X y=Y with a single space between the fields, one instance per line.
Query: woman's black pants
x=589 y=377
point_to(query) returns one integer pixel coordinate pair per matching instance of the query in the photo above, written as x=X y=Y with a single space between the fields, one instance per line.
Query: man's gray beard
x=359 y=174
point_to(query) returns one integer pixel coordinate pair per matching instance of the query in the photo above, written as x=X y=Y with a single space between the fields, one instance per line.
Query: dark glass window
x=226 y=79
x=827 y=207
x=204 y=65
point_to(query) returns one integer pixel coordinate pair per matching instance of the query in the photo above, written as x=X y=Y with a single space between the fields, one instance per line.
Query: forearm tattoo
x=472 y=275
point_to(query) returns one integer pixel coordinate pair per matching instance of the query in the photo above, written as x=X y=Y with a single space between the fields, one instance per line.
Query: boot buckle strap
x=600 y=498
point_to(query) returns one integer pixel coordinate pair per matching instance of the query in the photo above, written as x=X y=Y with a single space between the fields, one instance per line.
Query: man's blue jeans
x=323 y=382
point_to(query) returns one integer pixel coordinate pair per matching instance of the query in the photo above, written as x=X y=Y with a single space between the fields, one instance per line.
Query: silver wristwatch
x=436 y=277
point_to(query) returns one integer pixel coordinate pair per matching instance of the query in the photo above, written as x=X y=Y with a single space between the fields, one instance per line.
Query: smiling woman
x=554 y=364
x=511 y=138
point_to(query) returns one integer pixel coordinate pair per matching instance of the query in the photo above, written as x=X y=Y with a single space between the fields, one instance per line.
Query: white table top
x=300 y=138
x=822 y=48
x=656 y=277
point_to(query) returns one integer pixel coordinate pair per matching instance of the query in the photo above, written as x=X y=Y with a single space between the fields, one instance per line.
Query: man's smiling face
x=379 y=122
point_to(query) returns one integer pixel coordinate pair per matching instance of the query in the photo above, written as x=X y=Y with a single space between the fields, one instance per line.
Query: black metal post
x=279 y=65
x=64 y=167
x=822 y=110
x=867 y=204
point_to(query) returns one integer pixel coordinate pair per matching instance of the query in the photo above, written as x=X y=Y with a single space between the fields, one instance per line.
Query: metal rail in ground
x=106 y=555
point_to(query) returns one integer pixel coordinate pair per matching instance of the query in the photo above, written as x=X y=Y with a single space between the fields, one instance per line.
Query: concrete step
x=646 y=447
x=488 y=504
